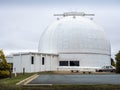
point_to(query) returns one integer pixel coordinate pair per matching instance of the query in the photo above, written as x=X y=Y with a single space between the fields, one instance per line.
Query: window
x=32 y=59
x=74 y=63
x=63 y=63
x=43 y=60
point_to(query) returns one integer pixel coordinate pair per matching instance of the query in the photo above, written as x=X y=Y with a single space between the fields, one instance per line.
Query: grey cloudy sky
x=23 y=21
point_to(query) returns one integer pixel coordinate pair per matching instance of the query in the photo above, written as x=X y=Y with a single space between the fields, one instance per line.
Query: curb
x=38 y=85
x=27 y=80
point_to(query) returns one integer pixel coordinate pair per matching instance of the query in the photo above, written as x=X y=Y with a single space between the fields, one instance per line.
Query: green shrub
x=117 y=62
x=4 y=73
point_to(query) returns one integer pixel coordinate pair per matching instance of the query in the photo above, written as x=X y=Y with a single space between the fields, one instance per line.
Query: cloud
x=22 y=22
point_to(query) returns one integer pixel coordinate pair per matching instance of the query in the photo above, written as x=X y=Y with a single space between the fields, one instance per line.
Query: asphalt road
x=77 y=79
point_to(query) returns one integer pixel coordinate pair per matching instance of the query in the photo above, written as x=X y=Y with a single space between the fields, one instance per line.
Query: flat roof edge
x=27 y=53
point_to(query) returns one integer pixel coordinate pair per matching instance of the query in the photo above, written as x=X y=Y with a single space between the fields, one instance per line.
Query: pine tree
x=4 y=66
x=117 y=62
x=2 y=57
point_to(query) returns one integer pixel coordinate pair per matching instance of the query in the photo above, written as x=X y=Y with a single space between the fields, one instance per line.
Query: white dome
x=74 y=35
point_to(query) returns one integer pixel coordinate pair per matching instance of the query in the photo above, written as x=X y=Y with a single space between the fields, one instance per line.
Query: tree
x=117 y=62
x=112 y=62
x=4 y=66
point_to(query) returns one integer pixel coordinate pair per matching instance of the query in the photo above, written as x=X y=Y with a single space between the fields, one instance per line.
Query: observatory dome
x=73 y=42
x=74 y=35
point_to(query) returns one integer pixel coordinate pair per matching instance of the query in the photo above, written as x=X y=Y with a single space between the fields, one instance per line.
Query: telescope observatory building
x=73 y=42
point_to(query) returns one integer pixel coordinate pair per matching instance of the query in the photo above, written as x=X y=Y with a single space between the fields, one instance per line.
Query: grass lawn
x=14 y=80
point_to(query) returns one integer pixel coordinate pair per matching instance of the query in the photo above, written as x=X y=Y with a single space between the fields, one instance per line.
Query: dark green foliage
x=118 y=67
x=117 y=62
x=4 y=66
x=112 y=62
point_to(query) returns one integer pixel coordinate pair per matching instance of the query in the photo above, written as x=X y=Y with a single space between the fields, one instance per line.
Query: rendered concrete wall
x=21 y=61
x=86 y=61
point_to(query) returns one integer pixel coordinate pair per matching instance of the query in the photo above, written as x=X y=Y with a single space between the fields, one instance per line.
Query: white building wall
x=89 y=61
x=40 y=58
x=32 y=66
x=17 y=63
x=37 y=63
x=9 y=59
x=54 y=63
x=20 y=62
x=25 y=63
x=48 y=63
x=43 y=66
x=51 y=62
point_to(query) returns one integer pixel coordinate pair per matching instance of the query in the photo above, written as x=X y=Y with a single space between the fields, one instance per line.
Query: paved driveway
x=77 y=79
